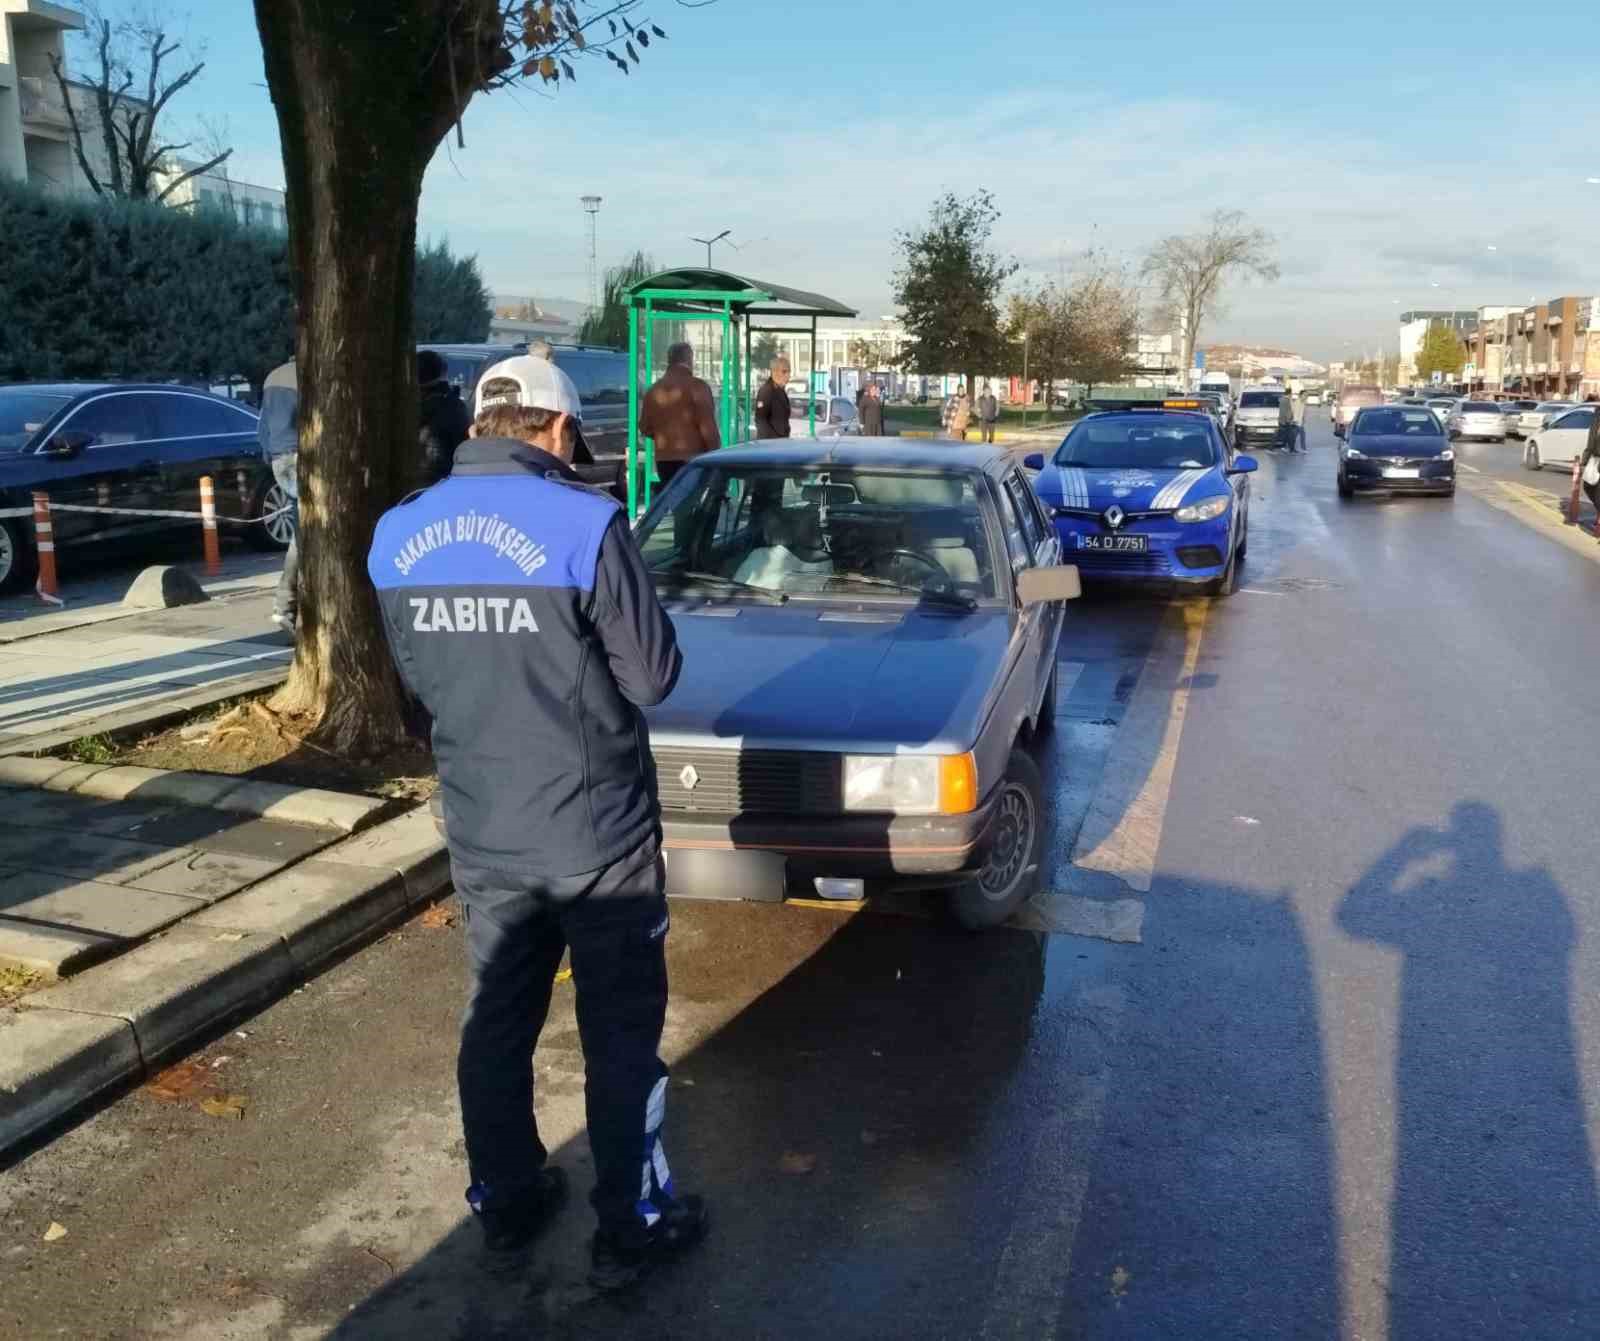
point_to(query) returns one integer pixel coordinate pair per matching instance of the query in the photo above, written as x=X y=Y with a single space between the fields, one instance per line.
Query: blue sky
x=1388 y=147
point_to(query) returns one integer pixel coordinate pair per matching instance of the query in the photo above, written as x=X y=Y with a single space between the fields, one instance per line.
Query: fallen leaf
x=794 y=1162
x=565 y=975
x=56 y=1231
x=441 y=914
x=227 y=1106
x=182 y=1081
x=221 y=1061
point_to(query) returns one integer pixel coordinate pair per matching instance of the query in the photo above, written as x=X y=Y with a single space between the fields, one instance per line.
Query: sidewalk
x=96 y=668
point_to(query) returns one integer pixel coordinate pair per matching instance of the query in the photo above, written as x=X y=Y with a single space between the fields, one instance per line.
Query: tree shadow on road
x=1496 y=1218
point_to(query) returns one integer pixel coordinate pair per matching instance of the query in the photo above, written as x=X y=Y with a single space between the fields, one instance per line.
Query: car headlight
x=1447 y=455
x=911 y=784
x=1207 y=509
x=1354 y=454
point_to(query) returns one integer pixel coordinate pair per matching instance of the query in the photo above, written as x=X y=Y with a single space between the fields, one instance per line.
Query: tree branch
x=200 y=171
x=72 y=122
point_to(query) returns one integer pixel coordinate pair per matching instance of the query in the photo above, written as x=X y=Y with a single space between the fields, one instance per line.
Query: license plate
x=1399 y=473
x=1116 y=544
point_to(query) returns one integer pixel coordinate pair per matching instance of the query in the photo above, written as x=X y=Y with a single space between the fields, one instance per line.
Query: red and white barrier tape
x=148 y=512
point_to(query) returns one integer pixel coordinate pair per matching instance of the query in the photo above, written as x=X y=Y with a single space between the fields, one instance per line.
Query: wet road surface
x=1340 y=1085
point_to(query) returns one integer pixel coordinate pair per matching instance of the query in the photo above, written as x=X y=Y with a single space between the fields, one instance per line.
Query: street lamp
x=709 y=242
x=1026 y=386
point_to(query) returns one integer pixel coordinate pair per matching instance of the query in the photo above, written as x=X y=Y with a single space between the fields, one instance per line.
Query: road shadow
x=1496 y=1216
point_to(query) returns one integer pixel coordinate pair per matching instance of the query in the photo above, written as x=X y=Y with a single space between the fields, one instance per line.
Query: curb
x=213 y=791
x=63 y=1046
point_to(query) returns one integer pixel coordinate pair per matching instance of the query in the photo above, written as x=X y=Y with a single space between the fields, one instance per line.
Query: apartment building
x=1414 y=327
x=1545 y=350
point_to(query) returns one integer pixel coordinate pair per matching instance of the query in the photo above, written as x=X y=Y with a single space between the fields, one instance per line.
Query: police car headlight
x=1207 y=509
x=909 y=784
x=1351 y=454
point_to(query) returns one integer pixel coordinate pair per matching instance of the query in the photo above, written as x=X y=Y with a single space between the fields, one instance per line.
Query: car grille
x=731 y=782
x=1155 y=563
x=1409 y=462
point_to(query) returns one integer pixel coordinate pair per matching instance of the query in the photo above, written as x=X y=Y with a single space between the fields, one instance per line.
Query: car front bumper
x=1187 y=553
x=847 y=846
x=1435 y=477
x=1258 y=432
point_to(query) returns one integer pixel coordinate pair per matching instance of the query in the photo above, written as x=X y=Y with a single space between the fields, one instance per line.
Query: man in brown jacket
x=679 y=413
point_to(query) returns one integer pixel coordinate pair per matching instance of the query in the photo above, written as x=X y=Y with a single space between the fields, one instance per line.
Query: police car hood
x=1132 y=488
x=832 y=677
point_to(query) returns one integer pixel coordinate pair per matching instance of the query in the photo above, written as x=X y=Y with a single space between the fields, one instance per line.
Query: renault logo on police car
x=1114 y=516
x=689 y=777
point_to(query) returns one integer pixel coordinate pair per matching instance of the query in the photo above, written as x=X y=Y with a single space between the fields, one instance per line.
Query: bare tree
x=130 y=92
x=1190 y=270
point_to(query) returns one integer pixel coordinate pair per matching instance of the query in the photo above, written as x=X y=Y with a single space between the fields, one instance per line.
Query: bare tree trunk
x=361 y=107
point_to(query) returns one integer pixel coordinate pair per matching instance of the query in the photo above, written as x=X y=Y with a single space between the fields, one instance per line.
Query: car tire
x=18 y=558
x=1530 y=457
x=1223 y=587
x=1244 y=537
x=1345 y=491
x=276 y=534
x=1010 y=873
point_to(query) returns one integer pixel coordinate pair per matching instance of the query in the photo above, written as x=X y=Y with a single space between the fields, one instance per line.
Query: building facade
x=35 y=131
x=1414 y=328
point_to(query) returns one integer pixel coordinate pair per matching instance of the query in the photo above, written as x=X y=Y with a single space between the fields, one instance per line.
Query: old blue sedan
x=869 y=632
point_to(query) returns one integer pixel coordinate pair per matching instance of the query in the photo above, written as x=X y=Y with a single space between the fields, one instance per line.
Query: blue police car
x=1149 y=491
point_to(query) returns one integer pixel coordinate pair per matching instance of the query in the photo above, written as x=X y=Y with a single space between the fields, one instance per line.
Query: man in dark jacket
x=772 y=402
x=520 y=613
x=871 y=410
x=679 y=414
x=443 y=422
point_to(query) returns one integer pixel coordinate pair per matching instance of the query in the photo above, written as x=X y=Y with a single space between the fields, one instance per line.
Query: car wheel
x=277 y=533
x=1530 y=457
x=18 y=559
x=1345 y=491
x=1244 y=537
x=1010 y=872
x=1222 y=588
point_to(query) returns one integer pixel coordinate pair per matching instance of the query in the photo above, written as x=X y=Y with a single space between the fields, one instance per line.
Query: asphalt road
x=1340 y=1086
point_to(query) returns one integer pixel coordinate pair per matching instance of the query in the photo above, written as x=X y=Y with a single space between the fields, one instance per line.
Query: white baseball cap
x=536 y=383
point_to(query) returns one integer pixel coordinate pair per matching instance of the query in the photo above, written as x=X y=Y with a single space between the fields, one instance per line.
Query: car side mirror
x=65 y=446
x=1243 y=465
x=1033 y=461
x=1035 y=586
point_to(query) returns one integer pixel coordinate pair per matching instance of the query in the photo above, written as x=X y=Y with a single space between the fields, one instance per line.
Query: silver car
x=1477 y=419
x=1531 y=421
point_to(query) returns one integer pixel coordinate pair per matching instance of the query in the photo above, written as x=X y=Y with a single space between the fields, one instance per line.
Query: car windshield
x=23 y=413
x=818 y=531
x=1140 y=441
x=1396 y=421
x=1258 y=399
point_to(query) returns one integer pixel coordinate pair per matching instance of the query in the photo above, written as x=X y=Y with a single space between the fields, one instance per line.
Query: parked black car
x=1397 y=449
x=124 y=445
x=601 y=376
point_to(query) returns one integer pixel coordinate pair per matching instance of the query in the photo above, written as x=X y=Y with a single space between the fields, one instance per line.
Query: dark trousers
x=614 y=921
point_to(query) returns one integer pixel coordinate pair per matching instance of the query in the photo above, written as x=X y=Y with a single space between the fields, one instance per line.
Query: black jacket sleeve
x=639 y=639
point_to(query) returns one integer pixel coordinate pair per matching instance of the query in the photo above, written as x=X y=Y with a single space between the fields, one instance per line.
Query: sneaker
x=619 y=1260
x=510 y=1228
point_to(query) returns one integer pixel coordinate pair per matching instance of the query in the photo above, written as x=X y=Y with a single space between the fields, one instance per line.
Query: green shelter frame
x=695 y=294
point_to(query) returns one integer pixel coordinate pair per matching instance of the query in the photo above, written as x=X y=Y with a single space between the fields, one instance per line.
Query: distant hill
x=1254 y=360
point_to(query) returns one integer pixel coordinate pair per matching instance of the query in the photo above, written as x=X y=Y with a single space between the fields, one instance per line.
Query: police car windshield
x=22 y=414
x=1153 y=442
x=817 y=532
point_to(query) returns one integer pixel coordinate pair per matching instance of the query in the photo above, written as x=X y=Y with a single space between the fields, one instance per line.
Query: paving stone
x=409 y=843
x=177 y=986
x=206 y=876
x=20 y=772
x=188 y=788
x=29 y=807
x=125 y=819
x=317 y=907
x=91 y=855
x=116 y=783
x=305 y=805
x=222 y=831
x=52 y=1061
x=81 y=919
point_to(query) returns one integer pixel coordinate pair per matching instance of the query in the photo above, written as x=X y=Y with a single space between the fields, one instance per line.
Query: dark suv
x=599 y=373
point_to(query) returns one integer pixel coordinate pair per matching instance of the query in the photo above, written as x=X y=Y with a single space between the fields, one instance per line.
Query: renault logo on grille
x=689 y=777
x=1115 y=516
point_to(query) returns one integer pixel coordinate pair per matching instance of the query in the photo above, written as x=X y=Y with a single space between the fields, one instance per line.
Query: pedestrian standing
x=1589 y=464
x=1297 y=411
x=772 y=402
x=679 y=414
x=533 y=639
x=278 y=432
x=961 y=415
x=442 y=420
x=988 y=411
x=872 y=411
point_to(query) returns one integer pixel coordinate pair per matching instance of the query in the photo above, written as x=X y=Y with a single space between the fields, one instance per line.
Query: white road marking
x=1258 y=591
x=1122 y=830
x=1029 y=1285
x=1472 y=470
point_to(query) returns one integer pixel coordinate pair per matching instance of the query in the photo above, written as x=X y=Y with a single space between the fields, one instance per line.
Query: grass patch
x=92 y=750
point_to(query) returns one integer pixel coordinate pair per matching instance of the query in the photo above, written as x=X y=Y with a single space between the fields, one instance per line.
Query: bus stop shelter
x=728 y=301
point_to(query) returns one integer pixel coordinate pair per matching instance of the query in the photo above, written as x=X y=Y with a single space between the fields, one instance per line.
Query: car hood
x=1398 y=444
x=808 y=676
x=1132 y=489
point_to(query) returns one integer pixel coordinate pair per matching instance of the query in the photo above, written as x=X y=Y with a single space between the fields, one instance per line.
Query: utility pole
x=591 y=206
x=709 y=242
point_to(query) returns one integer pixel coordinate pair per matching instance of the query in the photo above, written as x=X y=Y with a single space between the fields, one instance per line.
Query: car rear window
x=1258 y=399
x=1479 y=407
